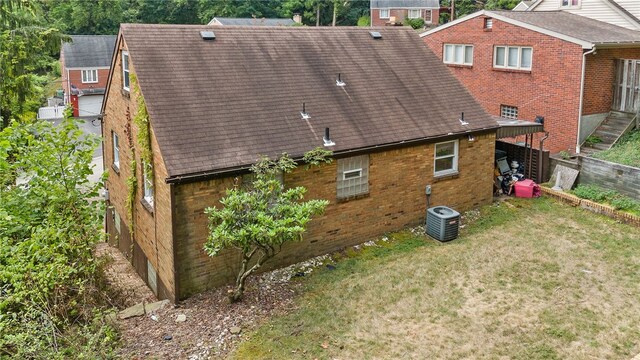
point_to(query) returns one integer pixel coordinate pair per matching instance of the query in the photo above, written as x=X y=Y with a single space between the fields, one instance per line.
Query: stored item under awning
x=512 y=128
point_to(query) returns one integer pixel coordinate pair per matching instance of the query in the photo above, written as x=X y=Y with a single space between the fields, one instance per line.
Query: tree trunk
x=335 y=10
x=318 y=14
x=6 y=115
x=453 y=10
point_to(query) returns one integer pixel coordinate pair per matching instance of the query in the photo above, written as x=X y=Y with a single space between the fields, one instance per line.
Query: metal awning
x=512 y=128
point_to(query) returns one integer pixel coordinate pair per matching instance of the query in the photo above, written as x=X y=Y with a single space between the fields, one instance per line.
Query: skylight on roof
x=375 y=34
x=207 y=35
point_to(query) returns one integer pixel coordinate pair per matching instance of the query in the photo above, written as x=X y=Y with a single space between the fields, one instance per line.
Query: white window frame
x=125 y=71
x=454 y=168
x=508 y=112
x=388 y=12
x=506 y=57
x=430 y=20
x=453 y=60
x=115 y=142
x=488 y=23
x=569 y=5
x=349 y=187
x=147 y=184
x=414 y=17
x=89 y=76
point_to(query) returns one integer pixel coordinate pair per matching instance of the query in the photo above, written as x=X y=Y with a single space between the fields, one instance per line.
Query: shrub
x=364 y=20
x=414 y=23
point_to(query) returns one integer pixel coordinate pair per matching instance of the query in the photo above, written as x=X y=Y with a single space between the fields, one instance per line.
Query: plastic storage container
x=524 y=188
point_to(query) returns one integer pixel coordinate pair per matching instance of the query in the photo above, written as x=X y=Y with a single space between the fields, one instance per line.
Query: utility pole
x=453 y=10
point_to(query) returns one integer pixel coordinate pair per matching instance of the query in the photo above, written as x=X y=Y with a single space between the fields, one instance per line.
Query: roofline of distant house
x=586 y=45
x=211 y=174
x=614 y=5
x=406 y=7
x=88 y=68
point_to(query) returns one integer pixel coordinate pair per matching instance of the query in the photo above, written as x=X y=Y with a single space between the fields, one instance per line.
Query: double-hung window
x=512 y=57
x=384 y=13
x=415 y=14
x=89 y=76
x=147 y=182
x=446 y=158
x=116 y=150
x=353 y=176
x=458 y=54
x=126 y=82
x=570 y=3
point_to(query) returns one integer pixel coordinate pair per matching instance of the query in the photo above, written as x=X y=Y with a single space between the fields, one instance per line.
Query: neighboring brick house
x=85 y=63
x=393 y=12
x=624 y=13
x=566 y=68
x=215 y=105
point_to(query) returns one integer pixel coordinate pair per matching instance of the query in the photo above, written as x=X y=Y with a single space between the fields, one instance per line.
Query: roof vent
x=207 y=35
x=339 y=82
x=375 y=34
x=462 y=122
x=305 y=115
x=327 y=138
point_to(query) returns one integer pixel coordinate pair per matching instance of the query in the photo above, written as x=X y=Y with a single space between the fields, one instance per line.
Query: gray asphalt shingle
x=89 y=51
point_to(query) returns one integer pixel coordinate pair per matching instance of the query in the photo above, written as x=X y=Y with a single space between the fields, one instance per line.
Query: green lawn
x=626 y=152
x=530 y=279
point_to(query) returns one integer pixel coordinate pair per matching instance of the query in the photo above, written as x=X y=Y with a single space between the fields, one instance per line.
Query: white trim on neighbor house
x=413 y=16
x=384 y=17
x=584 y=44
x=522 y=6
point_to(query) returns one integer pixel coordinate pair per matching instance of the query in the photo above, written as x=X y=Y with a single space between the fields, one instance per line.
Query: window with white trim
x=89 y=76
x=488 y=23
x=415 y=14
x=428 y=16
x=384 y=13
x=117 y=221
x=512 y=57
x=509 y=112
x=353 y=176
x=126 y=82
x=570 y=3
x=116 y=149
x=446 y=158
x=458 y=54
x=147 y=183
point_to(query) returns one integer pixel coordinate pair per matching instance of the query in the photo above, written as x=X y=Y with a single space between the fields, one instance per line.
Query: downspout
x=68 y=94
x=584 y=70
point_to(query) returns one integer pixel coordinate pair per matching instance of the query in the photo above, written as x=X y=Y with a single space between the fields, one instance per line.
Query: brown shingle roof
x=217 y=104
x=575 y=26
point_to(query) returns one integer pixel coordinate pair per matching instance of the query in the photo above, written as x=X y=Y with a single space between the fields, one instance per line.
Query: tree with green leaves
x=260 y=218
x=49 y=293
x=27 y=55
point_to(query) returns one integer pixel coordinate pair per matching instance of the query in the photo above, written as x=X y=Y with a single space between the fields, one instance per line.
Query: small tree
x=260 y=218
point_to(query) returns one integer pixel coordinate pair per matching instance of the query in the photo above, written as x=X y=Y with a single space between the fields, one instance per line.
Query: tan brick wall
x=551 y=89
x=153 y=230
x=600 y=78
x=397 y=180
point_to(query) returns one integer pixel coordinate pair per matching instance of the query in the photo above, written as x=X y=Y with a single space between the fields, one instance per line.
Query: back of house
x=624 y=13
x=190 y=108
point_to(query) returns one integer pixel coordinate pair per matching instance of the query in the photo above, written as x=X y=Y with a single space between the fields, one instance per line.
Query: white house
x=625 y=13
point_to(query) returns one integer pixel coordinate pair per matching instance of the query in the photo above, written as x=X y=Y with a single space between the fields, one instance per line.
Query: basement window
x=353 y=176
x=508 y=112
x=152 y=277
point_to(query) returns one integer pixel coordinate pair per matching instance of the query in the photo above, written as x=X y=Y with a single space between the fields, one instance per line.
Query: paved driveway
x=89 y=126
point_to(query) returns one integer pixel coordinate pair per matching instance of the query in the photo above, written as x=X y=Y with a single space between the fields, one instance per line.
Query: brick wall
x=152 y=225
x=75 y=76
x=401 y=14
x=551 y=89
x=396 y=199
x=600 y=78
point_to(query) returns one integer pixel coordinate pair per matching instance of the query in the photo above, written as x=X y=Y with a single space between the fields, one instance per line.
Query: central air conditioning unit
x=443 y=223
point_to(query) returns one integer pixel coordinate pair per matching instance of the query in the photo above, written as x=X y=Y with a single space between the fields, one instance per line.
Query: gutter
x=205 y=175
x=584 y=69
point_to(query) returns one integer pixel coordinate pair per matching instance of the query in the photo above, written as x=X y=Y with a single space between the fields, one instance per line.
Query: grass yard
x=529 y=279
x=626 y=152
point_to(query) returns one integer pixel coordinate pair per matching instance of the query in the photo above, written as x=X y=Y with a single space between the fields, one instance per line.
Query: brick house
x=624 y=13
x=566 y=68
x=393 y=12
x=85 y=64
x=214 y=105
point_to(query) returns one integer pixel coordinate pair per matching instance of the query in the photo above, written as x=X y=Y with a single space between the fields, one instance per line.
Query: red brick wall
x=397 y=180
x=152 y=229
x=600 y=78
x=75 y=76
x=401 y=14
x=551 y=89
